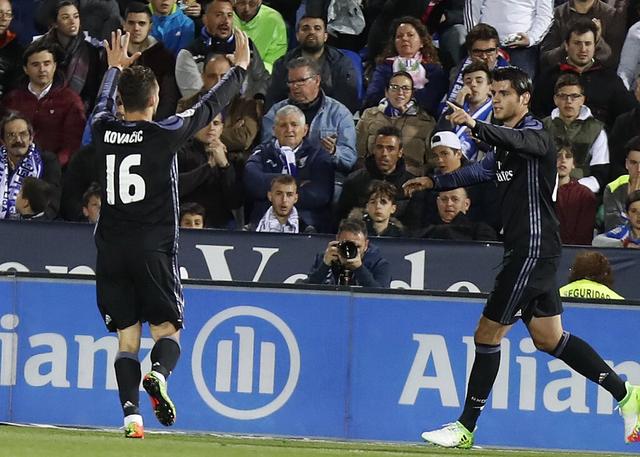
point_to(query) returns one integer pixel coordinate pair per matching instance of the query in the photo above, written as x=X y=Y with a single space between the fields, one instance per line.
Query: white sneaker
x=450 y=435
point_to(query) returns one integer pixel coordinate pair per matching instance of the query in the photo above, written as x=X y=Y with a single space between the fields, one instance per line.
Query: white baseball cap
x=446 y=138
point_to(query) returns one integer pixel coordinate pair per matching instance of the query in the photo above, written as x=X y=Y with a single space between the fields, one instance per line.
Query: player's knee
x=164 y=330
x=545 y=343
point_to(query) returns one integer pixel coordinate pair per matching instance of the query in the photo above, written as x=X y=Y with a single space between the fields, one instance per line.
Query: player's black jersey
x=523 y=162
x=138 y=167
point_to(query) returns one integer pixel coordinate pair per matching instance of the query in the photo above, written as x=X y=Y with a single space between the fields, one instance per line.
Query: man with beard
x=217 y=37
x=19 y=159
x=337 y=73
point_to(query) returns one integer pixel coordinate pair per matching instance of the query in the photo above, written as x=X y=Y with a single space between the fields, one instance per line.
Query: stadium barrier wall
x=296 y=361
x=59 y=247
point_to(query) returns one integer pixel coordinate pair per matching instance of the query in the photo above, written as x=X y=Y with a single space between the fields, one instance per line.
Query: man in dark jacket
x=350 y=260
x=207 y=177
x=386 y=164
x=289 y=153
x=626 y=126
x=454 y=223
x=605 y=92
x=337 y=75
x=154 y=55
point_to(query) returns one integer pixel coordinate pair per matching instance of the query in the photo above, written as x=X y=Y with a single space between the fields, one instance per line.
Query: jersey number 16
x=131 y=187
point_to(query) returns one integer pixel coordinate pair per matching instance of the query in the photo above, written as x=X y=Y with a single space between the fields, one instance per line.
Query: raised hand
x=459 y=116
x=117 y=54
x=242 y=54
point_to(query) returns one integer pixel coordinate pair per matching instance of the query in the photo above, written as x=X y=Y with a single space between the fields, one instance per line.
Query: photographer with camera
x=350 y=260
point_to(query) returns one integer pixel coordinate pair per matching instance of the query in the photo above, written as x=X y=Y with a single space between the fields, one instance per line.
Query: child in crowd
x=192 y=215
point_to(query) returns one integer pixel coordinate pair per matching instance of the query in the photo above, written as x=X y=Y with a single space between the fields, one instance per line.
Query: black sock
x=585 y=360
x=483 y=374
x=164 y=356
x=128 y=377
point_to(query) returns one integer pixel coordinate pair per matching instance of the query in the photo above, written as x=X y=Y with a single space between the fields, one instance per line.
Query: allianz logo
x=253 y=358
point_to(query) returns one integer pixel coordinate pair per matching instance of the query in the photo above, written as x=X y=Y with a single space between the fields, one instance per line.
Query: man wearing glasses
x=330 y=123
x=10 y=50
x=572 y=125
x=338 y=76
x=482 y=43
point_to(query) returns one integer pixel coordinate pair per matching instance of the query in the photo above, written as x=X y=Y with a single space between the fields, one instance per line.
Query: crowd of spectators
x=344 y=101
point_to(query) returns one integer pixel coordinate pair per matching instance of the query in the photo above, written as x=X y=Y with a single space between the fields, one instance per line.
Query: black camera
x=348 y=249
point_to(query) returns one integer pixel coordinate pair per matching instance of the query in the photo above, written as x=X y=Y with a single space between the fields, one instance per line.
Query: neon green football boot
x=629 y=410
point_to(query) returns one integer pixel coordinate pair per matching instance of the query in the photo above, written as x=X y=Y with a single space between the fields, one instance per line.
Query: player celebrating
x=523 y=162
x=137 y=234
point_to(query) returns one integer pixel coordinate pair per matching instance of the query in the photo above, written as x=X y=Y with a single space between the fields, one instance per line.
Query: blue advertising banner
x=59 y=247
x=311 y=363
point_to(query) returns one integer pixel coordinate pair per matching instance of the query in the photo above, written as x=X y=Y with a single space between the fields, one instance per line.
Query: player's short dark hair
x=308 y=16
x=285 y=180
x=477 y=65
x=353 y=225
x=37 y=192
x=632 y=145
x=401 y=73
x=379 y=188
x=15 y=116
x=94 y=190
x=135 y=87
x=591 y=265
x=192 y=208
x=136 y=8
x=300 y=62
x=580 y=27
x=520 y=80
x=481 y=31
x=41 y=46
x=632 y=198
x=390 y=130
x=566 y=80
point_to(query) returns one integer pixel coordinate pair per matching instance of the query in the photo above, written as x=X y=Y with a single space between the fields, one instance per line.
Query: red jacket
x=58 y=119
x=576 y=210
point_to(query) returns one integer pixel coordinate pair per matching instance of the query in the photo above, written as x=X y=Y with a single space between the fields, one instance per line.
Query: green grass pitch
x=59 y=442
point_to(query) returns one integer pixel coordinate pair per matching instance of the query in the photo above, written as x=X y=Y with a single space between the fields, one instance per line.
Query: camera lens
x=348 y=249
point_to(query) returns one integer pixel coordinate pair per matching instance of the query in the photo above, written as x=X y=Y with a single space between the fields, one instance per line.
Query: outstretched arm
x=529 y=140
x=118 y=58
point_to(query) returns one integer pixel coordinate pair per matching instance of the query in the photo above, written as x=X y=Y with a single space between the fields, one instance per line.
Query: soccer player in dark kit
x=523 y=162
x=137 y=233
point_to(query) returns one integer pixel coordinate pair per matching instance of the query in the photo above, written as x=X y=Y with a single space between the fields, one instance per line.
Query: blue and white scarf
x=469 y=145
x=288 y=158
x=30 y=165
x=389 y=110
x=270 y=223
